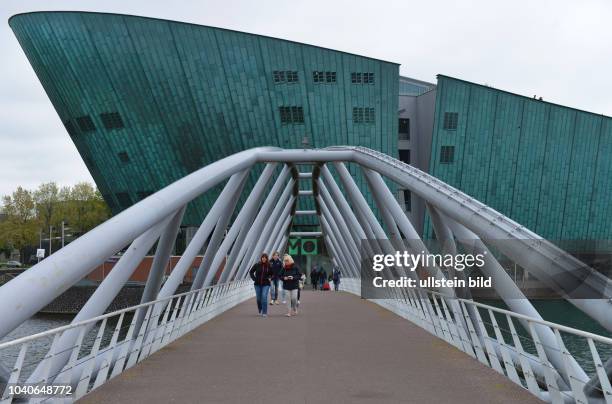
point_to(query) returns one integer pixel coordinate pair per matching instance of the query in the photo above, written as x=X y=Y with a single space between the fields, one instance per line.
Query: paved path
x=339 y=349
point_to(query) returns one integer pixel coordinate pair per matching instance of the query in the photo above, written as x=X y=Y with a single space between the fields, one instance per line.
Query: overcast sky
x=559 y=50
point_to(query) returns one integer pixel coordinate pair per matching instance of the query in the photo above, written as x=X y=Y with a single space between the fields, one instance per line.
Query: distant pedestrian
x=314 y=278
x=276 y=266
x=322 y=277
x=290 y=275
x=261 y=273
x=336 y=278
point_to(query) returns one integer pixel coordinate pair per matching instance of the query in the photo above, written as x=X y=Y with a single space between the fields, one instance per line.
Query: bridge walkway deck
x=340 y=348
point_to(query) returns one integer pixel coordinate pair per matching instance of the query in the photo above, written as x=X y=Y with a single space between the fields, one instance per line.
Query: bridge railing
x=107 y=345
x=508 y=343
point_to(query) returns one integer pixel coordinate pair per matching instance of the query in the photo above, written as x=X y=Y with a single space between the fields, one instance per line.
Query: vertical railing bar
x=7 y=396
x=551 y=382
x=501 y=343
x=601 y=372
x=83 y=384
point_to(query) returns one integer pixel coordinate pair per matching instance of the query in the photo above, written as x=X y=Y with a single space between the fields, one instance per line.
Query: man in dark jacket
x=336 y=278
x=261 y=273
x=314 y=277
x=276 y=265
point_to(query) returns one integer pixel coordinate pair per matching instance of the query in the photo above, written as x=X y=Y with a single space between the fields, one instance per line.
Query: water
x=564 y=313
x=38 y=348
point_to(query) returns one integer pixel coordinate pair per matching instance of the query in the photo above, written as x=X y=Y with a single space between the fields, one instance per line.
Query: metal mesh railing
x=109 y=344
x=509 y=343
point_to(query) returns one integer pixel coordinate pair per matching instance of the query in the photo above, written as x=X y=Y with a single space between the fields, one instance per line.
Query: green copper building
x=147 y=101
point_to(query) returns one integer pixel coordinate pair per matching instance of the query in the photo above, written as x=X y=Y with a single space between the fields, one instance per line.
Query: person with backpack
x=336 y=278
x=291 y=275
x=314 y=277
x=276 y=265
x=261 y=273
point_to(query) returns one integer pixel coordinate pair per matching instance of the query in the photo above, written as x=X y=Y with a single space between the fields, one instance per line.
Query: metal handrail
x=53 y=331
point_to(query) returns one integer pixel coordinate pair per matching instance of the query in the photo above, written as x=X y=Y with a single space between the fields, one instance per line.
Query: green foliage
x=26 y=214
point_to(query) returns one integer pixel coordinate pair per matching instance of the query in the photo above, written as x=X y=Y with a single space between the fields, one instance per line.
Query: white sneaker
x=284 y=302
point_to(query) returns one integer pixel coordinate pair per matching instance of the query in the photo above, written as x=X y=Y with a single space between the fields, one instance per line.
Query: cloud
x=555 y=49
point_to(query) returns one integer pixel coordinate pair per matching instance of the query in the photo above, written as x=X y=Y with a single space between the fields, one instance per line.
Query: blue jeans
x=261 y=293
x=274 y=289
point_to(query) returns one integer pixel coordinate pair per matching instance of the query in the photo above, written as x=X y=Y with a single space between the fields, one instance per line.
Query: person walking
x=290 y=275
x=322 y=277
x=336 y=278
x=261 y=273
x=300 y=287
x=276 y=265
x=314 y=277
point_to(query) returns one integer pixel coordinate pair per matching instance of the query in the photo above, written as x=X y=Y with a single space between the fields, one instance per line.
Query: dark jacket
x=261 y=274
x=290 y=284
x=277 y=267
x=336 y=276
x=314 y=276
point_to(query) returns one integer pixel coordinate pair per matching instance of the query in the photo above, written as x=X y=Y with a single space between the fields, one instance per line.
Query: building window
x=404 y=156
x=323 y=77
x=292 y=76
x=363 y=115
x=123 y=156
x=143 y=194
x=70 y=128
x=404 y=129
x=450 y=120
x=407 y=200
x=279 y=76
x=362 y=78
x=285 y=76
x=447 y=154
x=291 y=115
x=86 y=123
x=112 y=120
x=124 y=199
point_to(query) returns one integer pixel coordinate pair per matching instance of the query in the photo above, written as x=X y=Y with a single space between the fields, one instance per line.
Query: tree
x=19 y=229
x=26 y=213
x=85 y=208
x=47 y=199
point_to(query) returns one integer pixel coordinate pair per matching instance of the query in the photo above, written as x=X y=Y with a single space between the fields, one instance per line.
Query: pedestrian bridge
x=408 y=344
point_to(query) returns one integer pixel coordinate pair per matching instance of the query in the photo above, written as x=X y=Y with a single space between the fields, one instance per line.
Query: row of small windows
x=291 y=115
x=295 y=115
x=125 y=200
x=291 y=76
x=324 y=77
x=362 y=78
x=451 y=120
x=110 y=120
x=285 y=76
x=363 y=115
